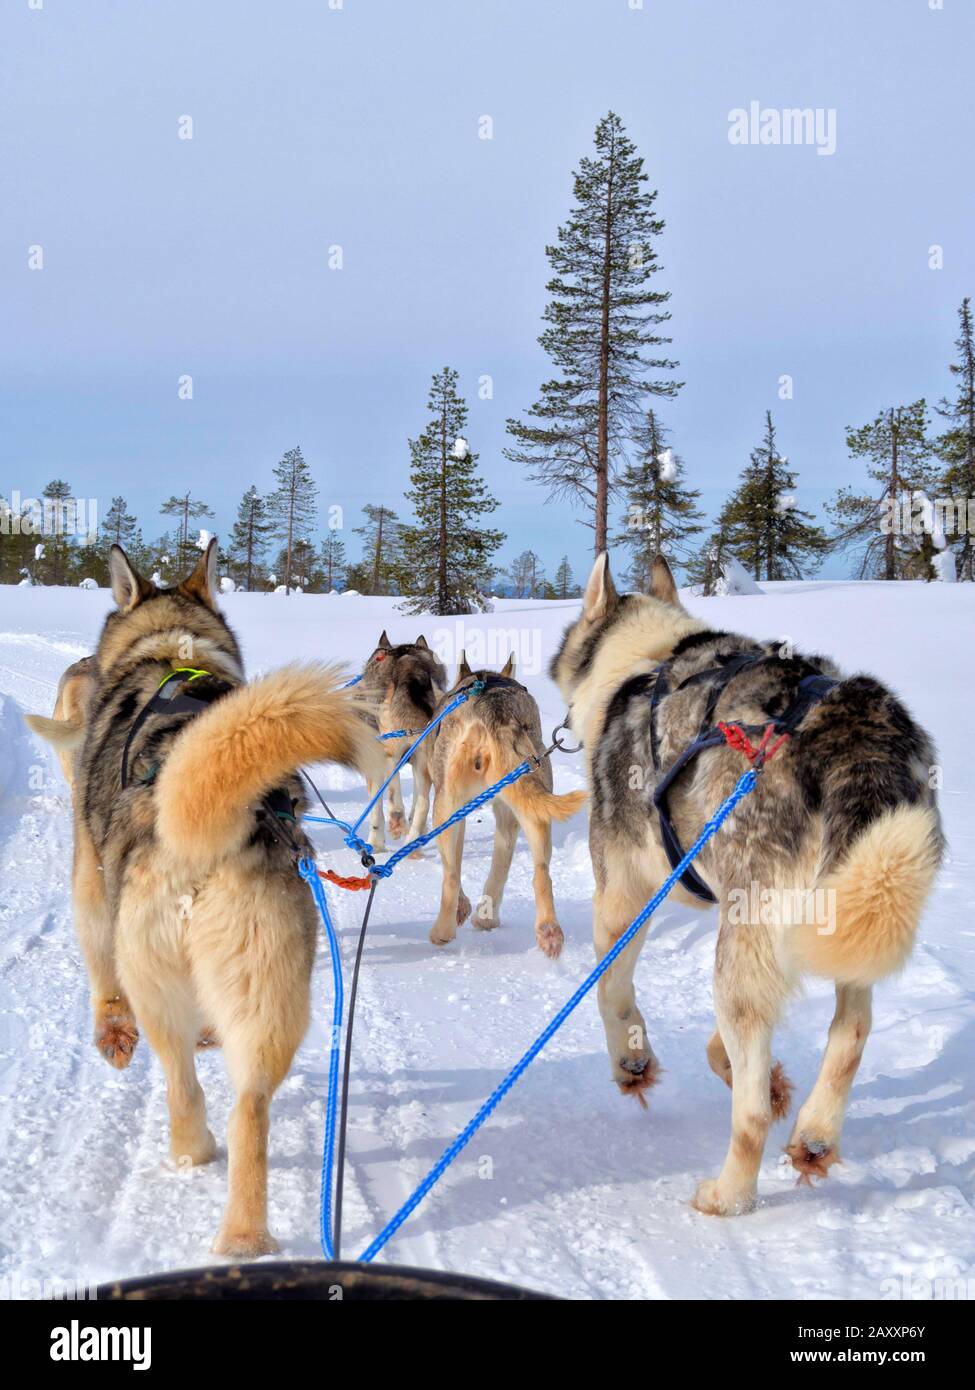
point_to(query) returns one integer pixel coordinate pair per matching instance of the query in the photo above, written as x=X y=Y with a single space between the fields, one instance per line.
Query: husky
x=486 y=737
x=402 y=685
x=845 y=806
x=187 y=901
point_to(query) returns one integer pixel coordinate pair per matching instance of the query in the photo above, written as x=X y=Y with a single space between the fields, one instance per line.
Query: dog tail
x=63 y=734
x=480 y=757
x=247 y=743
x=879 y=890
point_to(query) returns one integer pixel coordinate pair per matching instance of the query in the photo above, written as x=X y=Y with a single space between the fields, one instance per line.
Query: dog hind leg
x=397 y=812
x=487 y=914
x=454 y=905
x=813 y=1146
x=548 y=933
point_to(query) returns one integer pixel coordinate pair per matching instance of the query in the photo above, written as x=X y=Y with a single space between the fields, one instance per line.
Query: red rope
x=739 y=740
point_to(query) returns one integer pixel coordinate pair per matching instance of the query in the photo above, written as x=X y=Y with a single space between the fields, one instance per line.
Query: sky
x=356 y=124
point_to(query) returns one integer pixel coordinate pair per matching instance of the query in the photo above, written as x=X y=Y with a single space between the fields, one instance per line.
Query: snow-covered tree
x=603 y=331
x=661 y=512
x=448 y=549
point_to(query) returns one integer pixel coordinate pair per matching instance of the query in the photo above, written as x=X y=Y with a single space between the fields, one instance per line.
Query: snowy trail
x=569 y=1188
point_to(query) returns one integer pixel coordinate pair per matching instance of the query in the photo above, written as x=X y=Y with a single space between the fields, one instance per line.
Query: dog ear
x=421 y=642
x=508 y=669
x=128 y=586
x=600 y=597
x=463 y=670
x=202 y=583
x=384 y=642
x=662 y=584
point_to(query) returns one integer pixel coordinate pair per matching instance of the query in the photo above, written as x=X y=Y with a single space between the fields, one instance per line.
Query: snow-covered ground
x=569 y=1188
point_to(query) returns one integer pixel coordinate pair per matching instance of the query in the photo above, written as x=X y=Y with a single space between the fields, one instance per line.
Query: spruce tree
x=57 y=540
x=187 y=509
x=291 y=508
x=333 y=562
x=249 y=539
x=869 y=523
x=448 y=549
x=661 y=511
x=565 y=584
x=119 y=526
x=603 y=332
x=956 y=447
x=769 y=534
x=381 y=547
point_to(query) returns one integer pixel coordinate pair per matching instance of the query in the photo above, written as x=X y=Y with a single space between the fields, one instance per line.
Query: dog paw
x=116 y=1035
x=396 y=825
x=550 y=939
x=712 y=1200
x=442 y=936
x=812 y=1158
x=245 y=1245
x=463 y=908
x=635 y=1075
x=192 y=1152
x=780 y=1092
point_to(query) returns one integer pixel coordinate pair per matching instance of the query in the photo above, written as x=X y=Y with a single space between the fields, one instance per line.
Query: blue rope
x=745 y=784
x=354 y=681
x=308 y=871
x=397 y=733
x=353 y=840
x=384 y=870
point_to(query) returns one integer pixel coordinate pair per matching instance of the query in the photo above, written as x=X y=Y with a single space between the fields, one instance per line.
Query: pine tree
x=305 y=572
x=54 y=561
x=249 y=539
x=565 y=584
x=706 y=566
x=333 y=562
x=769 y=534
x=119 y=526
x=661 y=512
x=292 y=507
x=381 y=547
x=868 y=524
x=956 y=447
x=603 y=331
x=527 y=575
x=448 y=549
x=187 y=509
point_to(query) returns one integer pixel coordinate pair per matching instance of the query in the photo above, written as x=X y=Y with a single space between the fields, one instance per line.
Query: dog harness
x=812 y=688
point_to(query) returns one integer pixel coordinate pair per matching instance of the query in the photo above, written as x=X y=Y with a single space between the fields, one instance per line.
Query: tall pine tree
x=565 y=585
x=381 y=556
x=449 y=548
x=769 y=534
x=603 y=333
x=292 y=507
x=661 y=512
x=249 y=539
x=333 y=562
x=869 y=524
x=187 y=509
x=956 y=447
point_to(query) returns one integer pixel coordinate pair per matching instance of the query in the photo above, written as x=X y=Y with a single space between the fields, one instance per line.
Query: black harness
x=190 y=691
x=812 y=688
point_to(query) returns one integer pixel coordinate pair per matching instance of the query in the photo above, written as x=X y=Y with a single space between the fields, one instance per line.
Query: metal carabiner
x=557 y=742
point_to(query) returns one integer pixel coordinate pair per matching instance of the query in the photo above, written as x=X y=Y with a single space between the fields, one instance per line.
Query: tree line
x=596 y=436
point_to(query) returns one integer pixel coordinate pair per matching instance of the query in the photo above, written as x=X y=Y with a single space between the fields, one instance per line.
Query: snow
x=735 y=580
x=668 y=468
x=569 y=1187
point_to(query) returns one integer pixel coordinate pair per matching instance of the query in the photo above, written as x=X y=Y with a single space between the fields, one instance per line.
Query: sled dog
x=845 y=805
x=187 y=902
x=484 y=738
x=402 y=685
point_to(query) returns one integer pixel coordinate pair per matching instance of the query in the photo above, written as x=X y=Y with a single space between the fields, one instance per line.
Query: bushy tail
x=479 y=758
x=62 y=734
x=878 y=892
x=248 y=742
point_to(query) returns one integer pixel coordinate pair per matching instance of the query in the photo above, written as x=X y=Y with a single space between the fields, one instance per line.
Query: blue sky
x=358 y=127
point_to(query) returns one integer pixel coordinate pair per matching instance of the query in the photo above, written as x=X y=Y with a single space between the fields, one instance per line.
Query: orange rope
x=739 y=740
x=351 y=883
